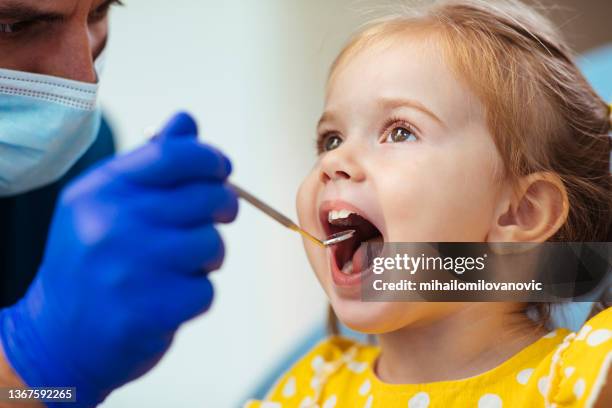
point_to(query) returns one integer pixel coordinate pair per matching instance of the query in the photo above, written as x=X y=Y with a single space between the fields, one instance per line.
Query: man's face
x=60 y=38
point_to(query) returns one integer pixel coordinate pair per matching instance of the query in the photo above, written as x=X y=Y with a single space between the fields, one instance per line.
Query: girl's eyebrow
x=394 y=103
x=326 y=116
x=390 y=104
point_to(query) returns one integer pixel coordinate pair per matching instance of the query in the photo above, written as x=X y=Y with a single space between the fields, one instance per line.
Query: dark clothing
x=25 y=219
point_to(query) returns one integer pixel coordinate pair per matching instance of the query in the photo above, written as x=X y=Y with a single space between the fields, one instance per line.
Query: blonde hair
x=541 y=111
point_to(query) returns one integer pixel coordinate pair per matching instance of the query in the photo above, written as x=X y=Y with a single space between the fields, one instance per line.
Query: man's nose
x=342 y=163
x=73 y=58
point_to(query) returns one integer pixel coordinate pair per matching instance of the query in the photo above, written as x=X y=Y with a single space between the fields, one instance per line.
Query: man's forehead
x=43 y=5
x=51 y=7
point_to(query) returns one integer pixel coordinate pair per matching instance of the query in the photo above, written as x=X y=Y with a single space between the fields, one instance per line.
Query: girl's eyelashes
x=328 y=141
x=394 y=131
x=398 y=131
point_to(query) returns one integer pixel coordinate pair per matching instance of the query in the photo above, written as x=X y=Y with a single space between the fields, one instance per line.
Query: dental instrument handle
x=271 y=212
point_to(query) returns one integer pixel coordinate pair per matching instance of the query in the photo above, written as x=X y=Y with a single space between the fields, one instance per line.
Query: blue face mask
x=46 y=124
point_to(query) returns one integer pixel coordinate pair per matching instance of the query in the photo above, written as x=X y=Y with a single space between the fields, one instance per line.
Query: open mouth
x=350 y=257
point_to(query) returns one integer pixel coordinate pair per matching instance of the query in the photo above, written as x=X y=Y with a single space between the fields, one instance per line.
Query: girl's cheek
x=435 y=197
x=308 y=218
x=305 y=201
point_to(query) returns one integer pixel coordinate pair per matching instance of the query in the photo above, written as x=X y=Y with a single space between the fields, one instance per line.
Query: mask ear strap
x=100 y=64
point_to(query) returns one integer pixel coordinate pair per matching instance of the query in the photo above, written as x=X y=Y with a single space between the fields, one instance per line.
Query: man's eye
x=330 y=142
x=98 y=14
x=400 y=134
x=101 y=12
x=14 y=28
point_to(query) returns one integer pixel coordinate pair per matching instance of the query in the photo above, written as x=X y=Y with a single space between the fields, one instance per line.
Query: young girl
x=467 y=121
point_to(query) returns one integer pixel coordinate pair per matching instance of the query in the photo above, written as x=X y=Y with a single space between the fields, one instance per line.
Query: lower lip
x=347 y=281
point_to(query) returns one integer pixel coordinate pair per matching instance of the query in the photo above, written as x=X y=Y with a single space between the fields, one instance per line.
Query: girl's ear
x=531 y=212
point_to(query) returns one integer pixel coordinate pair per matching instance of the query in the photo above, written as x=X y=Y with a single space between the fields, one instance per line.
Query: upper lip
x=330 y=205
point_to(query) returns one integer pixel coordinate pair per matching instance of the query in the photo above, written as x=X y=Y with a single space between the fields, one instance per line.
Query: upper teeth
x=338 y=215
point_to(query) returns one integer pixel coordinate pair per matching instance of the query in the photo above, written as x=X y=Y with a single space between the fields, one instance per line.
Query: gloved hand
x=126 y=263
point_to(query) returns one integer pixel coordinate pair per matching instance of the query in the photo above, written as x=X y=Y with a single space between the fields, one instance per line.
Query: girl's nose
x=342 y=164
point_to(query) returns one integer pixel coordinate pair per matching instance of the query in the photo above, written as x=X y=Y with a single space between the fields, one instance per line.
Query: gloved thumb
x=180 y=125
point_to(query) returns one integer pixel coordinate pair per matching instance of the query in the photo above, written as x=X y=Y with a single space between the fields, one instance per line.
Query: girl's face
x=404 y=144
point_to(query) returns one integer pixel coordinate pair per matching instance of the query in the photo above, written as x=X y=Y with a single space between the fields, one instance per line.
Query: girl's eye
x=400 y=134
x=330 y=142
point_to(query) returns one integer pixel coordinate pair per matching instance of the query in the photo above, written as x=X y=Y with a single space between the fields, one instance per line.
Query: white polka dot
x=307 y=402
x=490 y=401
x=583 y=332
x=598 y=337
x=357 y=367
x=543 y=385
x=419 y=400
x=329 y=368
x=289 y=388
x=365 y=387
x=315 y=382
x=568 y=371
x=317 y=363
x=330 y=402
x=348 y=357
x=523 y=376
x=579 y=388
x=268 y=404
x=368 y=403
x=550 y=335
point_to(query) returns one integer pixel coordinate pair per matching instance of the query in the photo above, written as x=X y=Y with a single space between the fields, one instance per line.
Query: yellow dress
x=562 y=369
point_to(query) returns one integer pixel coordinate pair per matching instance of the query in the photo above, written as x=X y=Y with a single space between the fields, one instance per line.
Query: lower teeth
x=347 y=269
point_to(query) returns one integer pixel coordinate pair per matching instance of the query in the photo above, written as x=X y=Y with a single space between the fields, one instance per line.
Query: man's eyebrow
x=393 y=103
x=20 y=11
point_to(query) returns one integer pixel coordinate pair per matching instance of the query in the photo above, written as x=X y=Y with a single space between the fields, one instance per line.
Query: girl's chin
x=371 y=317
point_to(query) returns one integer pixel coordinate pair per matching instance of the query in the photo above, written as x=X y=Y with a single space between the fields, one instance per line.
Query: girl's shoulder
x=580 y=365
x=563 y=370
x=302 y=384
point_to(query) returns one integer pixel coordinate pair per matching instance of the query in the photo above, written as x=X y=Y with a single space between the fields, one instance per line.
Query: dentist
x=131 y=241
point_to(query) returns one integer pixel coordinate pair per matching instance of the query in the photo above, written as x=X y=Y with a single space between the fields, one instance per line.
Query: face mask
x=46 y=124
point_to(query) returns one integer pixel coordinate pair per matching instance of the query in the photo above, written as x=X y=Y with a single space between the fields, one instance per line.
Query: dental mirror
x=339 y=237
x=271 y=212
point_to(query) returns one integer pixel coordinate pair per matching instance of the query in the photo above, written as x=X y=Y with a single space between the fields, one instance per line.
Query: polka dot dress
x=561 y=370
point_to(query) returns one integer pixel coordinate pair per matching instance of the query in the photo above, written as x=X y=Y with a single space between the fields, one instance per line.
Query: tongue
x=362 y=258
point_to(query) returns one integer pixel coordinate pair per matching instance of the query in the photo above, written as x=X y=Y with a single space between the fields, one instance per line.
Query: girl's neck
x=473 y=338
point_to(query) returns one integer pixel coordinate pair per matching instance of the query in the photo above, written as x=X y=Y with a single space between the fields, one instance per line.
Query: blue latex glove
x=125 y=264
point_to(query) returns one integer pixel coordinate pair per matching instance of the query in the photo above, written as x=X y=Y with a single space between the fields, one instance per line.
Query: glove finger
x=180 y=125
x=190 y=252
x=182 y=299
x=190 y=205
x=170 y=163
